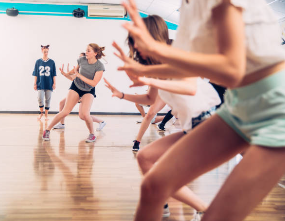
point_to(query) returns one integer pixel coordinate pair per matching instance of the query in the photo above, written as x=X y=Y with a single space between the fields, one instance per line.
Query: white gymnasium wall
x=20 y=41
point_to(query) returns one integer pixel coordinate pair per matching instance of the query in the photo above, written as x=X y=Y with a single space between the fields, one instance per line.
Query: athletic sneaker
x=197 y=216
x=91 y=138
x=161 y=127
x=59 y=126
x=136 y=146
x=46 y=135
x=166 y=212
x=101 y=126
x=174 y=120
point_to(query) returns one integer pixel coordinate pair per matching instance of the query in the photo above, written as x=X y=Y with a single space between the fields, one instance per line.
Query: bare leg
x=46 y=114
x=158 y=119
x=141 y=110
x=41 y=113
x=251 y=180
x=156 y=107
x=194 y=154
x=84 y=114
x=71 y=101
x=61 y=106
x=151 y=153
x=94 y=119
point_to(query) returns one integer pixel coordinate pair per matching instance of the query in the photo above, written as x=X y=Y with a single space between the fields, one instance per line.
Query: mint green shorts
x=257 y=111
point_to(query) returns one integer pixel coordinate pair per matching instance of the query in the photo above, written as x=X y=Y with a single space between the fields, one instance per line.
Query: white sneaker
x=173 y=120
x=59 y=126
x=197 y=216
x=101 y=126
x=166 y=212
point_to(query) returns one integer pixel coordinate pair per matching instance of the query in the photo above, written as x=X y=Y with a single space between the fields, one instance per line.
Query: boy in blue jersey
x=44 y=81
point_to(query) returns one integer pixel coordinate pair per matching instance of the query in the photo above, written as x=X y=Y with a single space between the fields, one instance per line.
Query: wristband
x=123 y=95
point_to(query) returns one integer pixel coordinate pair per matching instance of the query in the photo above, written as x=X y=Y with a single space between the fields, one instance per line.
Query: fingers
x=115 y=45
x=121 y=69
x=119 y=56
x=108 y=85
x=107 y=82
x=133 y=30
x=133 y=12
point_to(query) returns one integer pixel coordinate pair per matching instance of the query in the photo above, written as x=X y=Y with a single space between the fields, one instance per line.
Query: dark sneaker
x=136 y=146
x=46 y=135
x=161 y=127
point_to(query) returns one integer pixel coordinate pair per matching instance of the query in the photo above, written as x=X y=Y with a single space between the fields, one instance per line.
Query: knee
x=62 y=103
x=152 y=189
x=81 y=116
x=41 y=102
x=150 y=115
x=65 y=112
x=141 y=158
x=84 y=116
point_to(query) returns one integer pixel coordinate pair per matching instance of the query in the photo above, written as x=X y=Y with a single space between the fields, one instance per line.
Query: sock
x=167 y=117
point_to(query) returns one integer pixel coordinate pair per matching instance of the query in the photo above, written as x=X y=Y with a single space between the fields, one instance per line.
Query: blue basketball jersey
x=45 y=71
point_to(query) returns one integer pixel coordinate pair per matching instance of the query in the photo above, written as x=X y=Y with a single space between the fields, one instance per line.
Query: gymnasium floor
x=67 y=179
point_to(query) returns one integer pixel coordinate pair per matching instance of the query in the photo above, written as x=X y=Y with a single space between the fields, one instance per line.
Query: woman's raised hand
x=130 y=66
x=139 y=81
x=62 y=70
x=138 y=31
x=114 y=90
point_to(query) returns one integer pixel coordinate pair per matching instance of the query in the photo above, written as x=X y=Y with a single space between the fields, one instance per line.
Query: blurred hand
x=114 y=90
x=130 y=66
x=137 y=29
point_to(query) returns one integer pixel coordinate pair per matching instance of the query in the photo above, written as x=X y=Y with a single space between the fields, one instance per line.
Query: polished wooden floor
x=68 y=179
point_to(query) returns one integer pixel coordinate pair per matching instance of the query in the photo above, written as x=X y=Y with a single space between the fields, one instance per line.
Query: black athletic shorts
x=80 y=92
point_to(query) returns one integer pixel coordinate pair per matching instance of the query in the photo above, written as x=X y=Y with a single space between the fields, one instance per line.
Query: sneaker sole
x=46 y=139
x=166 y=215
x=90 y=141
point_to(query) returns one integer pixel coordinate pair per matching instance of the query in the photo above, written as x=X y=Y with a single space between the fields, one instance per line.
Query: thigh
x=48 y=94
x=157 y=106
x=248 y=184
x=203 y=149
x=86 y=103
x=156 y=149
x=41 y=94
x=71 y=100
